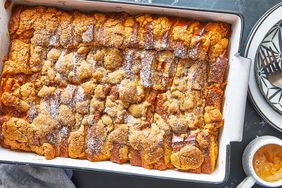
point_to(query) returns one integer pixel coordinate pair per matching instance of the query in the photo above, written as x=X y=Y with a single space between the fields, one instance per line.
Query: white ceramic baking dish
x=235 y=93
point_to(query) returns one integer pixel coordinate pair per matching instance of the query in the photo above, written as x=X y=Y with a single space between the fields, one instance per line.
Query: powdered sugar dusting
x=128 y=61
x=73 y=94
x=156 y=136
x=108 y=110
x=54 y=104
x=32 y=112
x=87 y=36
x=91 y=120
x=79 y=95
x=92 y=61
x=52 y=138
x=63 y=132
x=145 y=72
x=162 y=43
x=75 y=61
x=94 y=145
x=44 y=105
x=70 y=89
x=51 y=104
x=54 y=40
x=72 y=74
x=176 y=138
x=180 y=50
x=89 y=145
x=62 y=55
x=149 y=37
x=129 y=119
x=146 y=132
x=58 y=64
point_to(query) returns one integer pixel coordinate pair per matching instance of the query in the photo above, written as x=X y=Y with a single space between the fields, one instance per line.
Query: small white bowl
x=247 y=161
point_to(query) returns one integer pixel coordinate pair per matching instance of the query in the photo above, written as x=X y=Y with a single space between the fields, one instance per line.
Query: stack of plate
x=267 y=98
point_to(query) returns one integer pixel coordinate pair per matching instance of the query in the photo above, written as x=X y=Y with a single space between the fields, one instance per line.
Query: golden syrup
x=267 y=162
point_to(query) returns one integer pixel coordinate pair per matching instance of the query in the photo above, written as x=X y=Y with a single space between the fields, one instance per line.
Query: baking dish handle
x=239 y=76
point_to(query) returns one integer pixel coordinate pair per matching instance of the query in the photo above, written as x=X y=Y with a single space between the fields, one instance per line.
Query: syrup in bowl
x=267 y=162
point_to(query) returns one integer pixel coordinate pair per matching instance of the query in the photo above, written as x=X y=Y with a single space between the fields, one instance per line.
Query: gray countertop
x=254 y=126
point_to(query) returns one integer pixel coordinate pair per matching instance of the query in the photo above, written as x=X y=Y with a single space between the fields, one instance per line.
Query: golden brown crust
x=18 y=61
x=14 y=20
x=143 y=89
x=188 y=157
x=218 y=69
x=188 y=39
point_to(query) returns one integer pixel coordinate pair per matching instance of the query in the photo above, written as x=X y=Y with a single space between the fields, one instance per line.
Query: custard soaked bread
x=145 y=90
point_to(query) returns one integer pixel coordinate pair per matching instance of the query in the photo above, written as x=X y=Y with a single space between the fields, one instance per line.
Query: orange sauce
x=267 y=162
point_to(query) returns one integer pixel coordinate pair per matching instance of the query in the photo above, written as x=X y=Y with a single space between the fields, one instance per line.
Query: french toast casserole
x=140 y=89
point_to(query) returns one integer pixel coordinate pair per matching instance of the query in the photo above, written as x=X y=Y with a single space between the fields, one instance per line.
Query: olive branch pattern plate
x=273 y=40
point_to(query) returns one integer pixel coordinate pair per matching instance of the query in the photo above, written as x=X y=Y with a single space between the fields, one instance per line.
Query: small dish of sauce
x=267 y=162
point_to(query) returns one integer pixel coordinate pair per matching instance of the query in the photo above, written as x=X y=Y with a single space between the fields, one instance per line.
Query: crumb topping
x=143 y=89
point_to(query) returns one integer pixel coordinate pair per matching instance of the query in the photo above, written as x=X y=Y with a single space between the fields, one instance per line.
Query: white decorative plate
x=257 y=35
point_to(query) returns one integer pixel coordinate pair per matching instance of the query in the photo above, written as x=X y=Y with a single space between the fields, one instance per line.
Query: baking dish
x=233 y=111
